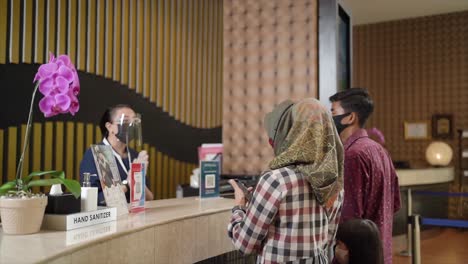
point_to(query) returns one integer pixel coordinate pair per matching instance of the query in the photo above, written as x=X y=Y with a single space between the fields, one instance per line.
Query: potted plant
x=21 y=210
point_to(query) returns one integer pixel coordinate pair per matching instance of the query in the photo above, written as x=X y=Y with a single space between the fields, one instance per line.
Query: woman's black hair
x=362 y=238
x=108 y=116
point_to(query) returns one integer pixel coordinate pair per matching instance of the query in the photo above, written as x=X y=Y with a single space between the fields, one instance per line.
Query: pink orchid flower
x=59 y=83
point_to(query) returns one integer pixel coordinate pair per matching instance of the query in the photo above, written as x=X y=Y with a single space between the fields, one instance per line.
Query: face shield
x=129 y=128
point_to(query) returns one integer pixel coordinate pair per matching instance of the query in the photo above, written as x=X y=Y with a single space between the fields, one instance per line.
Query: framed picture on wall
x=442 y=126
x=417 y=130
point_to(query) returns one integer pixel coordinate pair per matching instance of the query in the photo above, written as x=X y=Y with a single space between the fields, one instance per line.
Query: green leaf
x=44 y=182
x=7 y=187
x=53 y=174
x=71 y=185
x=57 y=177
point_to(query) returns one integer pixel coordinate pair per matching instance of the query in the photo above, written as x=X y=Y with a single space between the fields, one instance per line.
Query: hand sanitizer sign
x=137 y=187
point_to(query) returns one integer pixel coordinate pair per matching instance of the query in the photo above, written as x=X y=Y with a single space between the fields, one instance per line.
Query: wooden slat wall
x=36 y=155
x=3 y=29
x=27 y=31
x=48 y=150
x=50 y=27
x=61 y=26
x=11 y=141
x=15 y=16
x=162 y=49
x=2 y=139
x=26 y=154
x=169 y=51
x=101 y=34
x=69 y=150
x=82 y=36
x=72 y=29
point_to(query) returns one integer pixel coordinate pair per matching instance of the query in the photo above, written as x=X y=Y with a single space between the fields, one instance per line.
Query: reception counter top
x=410 y=177
x=169 y=231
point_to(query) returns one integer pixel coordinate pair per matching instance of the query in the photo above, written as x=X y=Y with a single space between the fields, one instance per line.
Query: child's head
x=358 y=241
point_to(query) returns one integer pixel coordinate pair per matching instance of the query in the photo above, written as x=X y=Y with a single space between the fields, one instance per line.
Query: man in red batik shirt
x=370 y=182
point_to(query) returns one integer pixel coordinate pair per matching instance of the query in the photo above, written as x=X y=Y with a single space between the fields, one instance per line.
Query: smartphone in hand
x=247 y=193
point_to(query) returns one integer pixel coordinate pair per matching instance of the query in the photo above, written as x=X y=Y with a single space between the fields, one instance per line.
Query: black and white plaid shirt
x=284 y=222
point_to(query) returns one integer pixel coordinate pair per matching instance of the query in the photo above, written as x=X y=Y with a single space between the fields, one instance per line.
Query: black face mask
x=124 y=133
x=337 y=119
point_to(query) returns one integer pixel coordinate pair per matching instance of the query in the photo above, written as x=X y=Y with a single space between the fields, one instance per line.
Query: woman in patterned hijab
x=295 y=208
x=303 y=135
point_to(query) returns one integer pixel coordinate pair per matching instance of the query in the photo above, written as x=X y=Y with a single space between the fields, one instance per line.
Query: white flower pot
x=22 y=216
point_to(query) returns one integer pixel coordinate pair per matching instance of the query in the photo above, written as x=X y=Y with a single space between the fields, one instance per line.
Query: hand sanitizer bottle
x=88 y=194
x=179 y=192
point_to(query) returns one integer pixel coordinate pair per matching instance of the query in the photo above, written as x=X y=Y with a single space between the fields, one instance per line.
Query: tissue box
x=63 y=204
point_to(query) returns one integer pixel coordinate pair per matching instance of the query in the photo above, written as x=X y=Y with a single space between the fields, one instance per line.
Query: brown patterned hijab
x=305 y=137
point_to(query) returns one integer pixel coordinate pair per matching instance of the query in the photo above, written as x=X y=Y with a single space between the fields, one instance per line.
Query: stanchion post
x=416 y=249
x=409 y=207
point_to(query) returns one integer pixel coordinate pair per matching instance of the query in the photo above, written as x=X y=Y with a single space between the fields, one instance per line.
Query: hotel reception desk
x=424 y=179
x=169 y=231
x=426 y=176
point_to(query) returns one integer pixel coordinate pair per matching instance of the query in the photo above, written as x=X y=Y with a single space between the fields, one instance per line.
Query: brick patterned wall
x=270 y=54
x=414 y=68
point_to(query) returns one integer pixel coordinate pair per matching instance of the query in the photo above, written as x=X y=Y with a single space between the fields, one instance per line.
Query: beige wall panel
x=269 y=50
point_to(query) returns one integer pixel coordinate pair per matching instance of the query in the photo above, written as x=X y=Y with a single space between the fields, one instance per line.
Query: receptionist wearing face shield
x=119 y=125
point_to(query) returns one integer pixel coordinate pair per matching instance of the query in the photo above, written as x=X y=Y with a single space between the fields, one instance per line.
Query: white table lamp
x=439 y=154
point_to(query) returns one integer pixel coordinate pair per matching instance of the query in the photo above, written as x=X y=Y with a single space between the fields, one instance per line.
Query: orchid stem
x=19 y=168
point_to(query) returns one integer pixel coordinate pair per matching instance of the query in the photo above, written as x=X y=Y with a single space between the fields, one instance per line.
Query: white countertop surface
x=409 y=177
x=47 y=244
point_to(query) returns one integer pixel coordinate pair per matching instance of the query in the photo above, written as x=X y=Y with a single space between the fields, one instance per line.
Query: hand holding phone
x=247 y=193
